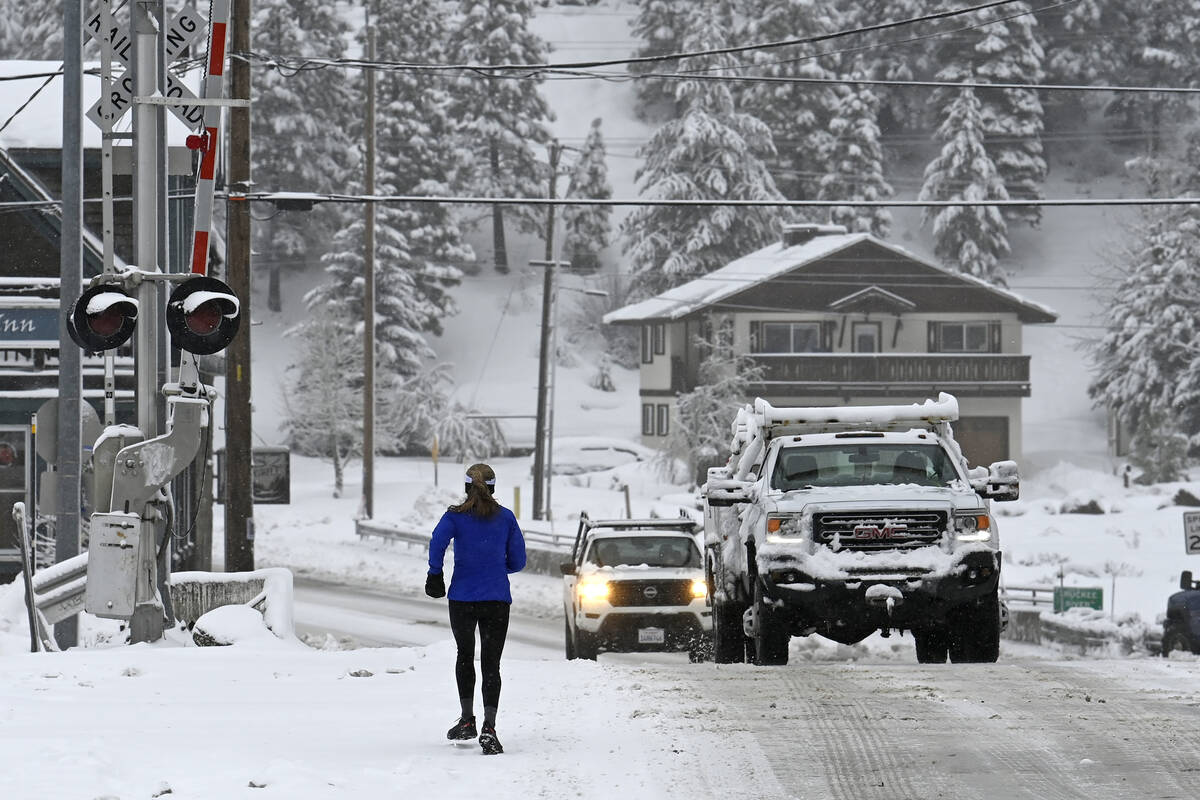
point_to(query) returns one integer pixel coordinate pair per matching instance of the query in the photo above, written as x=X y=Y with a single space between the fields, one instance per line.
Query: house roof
x=49 y=218
x=821 y=274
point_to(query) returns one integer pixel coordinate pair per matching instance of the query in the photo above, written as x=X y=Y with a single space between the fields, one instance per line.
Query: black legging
x=492 y=619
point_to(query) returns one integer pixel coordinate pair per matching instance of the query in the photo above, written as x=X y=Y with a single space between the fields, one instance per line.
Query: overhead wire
x=576 y=65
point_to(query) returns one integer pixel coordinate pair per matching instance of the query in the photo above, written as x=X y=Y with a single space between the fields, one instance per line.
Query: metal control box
x=112 y=565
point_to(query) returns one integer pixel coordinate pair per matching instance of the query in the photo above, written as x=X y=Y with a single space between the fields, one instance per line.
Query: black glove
x=435 y=585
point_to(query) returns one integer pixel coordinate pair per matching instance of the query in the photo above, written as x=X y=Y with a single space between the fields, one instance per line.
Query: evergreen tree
x=660 y=25
x=502 y=116
x=798 y=114
x=416 y=147
x=300 y=140
x=323 y=401
x=970 y=239
x=33 y=31
x=856 y=162
x=1147 y=366
x=1005 y=51
x=1163 y=43
x=411 y=296
x=1088 y=45
x=899 y=107
x=588 y=227
x=712 y=151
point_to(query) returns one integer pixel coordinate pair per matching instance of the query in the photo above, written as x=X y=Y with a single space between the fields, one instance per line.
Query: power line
x=269 y=197
x=575 y=65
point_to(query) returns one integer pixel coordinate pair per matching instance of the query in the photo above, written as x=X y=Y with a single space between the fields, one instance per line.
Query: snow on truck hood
x=957 y=496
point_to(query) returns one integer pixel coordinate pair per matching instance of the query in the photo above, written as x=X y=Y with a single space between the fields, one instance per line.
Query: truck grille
x=651 y=593
x=878 y=530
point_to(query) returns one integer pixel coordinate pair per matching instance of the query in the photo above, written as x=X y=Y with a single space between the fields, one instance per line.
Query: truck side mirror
x=567 y=568
x=726 y=491
x=1002 y=481
x=1185 y=580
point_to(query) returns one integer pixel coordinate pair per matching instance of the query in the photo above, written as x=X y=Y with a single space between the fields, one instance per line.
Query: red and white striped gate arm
x=209 y=139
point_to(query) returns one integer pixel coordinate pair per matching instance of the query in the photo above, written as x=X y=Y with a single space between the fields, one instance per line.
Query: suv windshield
x=653 y=551
x=857 y=463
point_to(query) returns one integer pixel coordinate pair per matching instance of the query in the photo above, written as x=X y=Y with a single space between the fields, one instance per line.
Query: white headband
x=489 y=482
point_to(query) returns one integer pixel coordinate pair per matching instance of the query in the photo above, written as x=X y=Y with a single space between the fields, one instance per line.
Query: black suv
x=1181 y=630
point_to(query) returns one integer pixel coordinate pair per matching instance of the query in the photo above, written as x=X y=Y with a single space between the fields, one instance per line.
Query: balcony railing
x=845 y=373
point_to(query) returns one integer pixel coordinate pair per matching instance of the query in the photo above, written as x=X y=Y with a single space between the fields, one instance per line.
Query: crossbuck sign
x=185 y=28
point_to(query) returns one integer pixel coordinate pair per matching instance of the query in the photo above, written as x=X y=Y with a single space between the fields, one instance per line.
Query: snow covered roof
x=39 y=125
x=848 y=264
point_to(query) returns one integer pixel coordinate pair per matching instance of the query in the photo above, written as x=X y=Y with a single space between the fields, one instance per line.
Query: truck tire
x=975 y=632
x=729 y=640
x=569 y=640
x=770 y=637
x=1176 y=641
x=585 y=645
x=932 y=645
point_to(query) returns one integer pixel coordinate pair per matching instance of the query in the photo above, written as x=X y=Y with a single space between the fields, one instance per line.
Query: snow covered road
x=1036 y=729
x=374 y=617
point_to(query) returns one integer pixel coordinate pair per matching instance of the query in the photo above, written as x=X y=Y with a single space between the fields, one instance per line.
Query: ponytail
x=480 y=485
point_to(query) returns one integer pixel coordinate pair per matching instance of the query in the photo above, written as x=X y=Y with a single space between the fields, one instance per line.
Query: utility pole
x=70 y=381
x=540 y=444
x=239 y=498
x=367 y=510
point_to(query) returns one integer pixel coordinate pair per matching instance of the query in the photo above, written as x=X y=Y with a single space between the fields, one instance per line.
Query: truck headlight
x=782 y=529
x=593 y=590
x=699 y=589
x=974 y=527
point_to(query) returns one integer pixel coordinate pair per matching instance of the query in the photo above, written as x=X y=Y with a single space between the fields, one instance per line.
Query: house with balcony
x=837 y=318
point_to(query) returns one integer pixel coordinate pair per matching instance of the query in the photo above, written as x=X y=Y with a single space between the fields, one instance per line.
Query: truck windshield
x=862 y=464
x=653 y=551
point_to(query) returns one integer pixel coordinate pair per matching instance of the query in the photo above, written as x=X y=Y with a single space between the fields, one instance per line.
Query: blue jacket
x=486 y=550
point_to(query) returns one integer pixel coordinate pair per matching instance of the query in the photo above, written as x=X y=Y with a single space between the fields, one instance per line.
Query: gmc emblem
x=879 y=531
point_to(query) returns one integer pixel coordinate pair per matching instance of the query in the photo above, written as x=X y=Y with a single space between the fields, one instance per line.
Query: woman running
x=488 y=545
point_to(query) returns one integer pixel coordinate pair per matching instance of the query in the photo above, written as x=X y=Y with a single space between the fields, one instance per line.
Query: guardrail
x=1028 y=596
x=544 y=550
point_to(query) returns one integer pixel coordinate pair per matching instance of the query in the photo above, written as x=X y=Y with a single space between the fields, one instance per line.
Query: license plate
x=650 y=636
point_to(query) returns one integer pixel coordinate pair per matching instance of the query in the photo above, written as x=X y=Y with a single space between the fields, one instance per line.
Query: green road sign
x=1078 y=597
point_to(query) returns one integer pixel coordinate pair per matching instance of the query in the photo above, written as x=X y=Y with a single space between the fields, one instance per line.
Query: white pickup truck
x=636 y=585
x=842 y=521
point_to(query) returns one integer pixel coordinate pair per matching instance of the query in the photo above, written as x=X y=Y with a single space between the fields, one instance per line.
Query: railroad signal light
x=203 y=315
x=103 y=318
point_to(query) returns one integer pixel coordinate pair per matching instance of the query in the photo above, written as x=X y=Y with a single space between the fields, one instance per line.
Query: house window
x=647 y=344
x=664 y=419
x=660 y=339
x=789 y=337
x=865 y=337
x=964 y=337
x=647 y=419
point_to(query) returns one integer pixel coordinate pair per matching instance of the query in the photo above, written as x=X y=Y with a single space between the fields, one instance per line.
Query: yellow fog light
x=699 y=588
x=593 y=590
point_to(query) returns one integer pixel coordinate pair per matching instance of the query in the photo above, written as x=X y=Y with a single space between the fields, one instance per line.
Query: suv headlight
x=699 y=589
x=973 y=527
x=594 y=589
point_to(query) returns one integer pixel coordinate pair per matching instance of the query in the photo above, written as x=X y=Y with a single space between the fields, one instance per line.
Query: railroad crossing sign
x=1191 y=532
x=185 y=28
